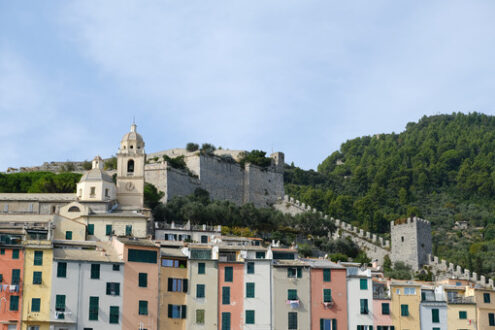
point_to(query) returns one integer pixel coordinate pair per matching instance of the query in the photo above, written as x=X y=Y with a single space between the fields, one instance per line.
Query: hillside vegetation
x=441 y=168
x=39 y=182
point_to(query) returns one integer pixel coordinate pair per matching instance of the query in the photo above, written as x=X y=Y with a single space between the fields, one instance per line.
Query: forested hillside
x=441 y=168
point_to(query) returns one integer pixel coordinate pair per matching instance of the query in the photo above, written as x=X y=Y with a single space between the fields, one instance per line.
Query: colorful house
x=433 y=308
x=485 y=306
x=360 y=297
x=406 y=297
x=328 y=295
x=11 y=275
x=382 y=319
x=230 y=290
x=141 y=285
x=461 y=310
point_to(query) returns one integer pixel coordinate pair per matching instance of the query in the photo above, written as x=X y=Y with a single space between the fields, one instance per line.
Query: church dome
x=132 y=140
x=96 y=174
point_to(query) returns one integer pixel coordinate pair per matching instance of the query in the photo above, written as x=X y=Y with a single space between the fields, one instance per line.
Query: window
x=229 y=274
x=37 y=278
x=385 y=309
x=68 y=235
x=260 y=255
x=14 y=303
x=328 y=324
x=15 y=253
x=16 y=276
x=92 y=193
x=225 y=321
x=177 y=284
x=35 y=304
x=60 y=306
x=145 y=256
x=292 y=320
x=113 y=288
x=143 y=280
x=327 y=295
x=363 y=284
x=1 y=278
x=174 y=263
x=130 y=165
x=201 y=268
x=364 y=306
x=249 y=317
x=404 y=310
x=491 y=319
x=114 y=314
x=293 y=272
x=91 y=229
x=462 y=315
x=177 y=311
x=410 y=291
x=93 y=308
x=95 y=271
x=326 y=275
x=2 y=251
x=143 y=307
x=200 y=316
x=226 y=295
x=116 y=267
x=486 y=298
x=435 y=315
x=250 y=290
x=250 y=267
x=108 y=230
x=128 y=230
x=106 y=192
x=292 y=294
x=61 y=269
x=200 y=290
x=204 y=239
x=201 y=254
x=38 y=258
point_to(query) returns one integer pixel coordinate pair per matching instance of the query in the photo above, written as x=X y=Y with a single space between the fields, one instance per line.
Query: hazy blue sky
x=294 y=76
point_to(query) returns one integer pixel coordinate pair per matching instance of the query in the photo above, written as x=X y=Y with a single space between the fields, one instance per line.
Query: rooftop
x=48 y=197
x=171 y=252
x=137 y=242
x=322 y=263
x=86 y=255
x=288 y=263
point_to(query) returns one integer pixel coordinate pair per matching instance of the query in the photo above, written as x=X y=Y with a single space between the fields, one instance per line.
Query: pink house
x=230 y=295
x=382 y=306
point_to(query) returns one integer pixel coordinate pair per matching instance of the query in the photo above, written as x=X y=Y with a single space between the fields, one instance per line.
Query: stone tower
x=130 y=171
x=411 y=241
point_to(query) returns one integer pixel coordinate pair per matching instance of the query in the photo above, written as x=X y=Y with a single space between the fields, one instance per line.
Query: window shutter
x=185 y=285
x=250 y=290
x=334 y=324
x=170 y=283
x=184 y=311
x=299 y=272
x=229 y=276
x=170 y=310
x=326 y=275
x=321 y=324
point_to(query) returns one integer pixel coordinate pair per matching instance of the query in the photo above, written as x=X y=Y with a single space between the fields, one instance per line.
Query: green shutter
x=183 y=311
x=145 y=256
x=14 y=303
x=385 y=309
x=1 y=278
x=491 y=319
x=128 y=230
x=364 y=306
x=334 y=324
x=61 y=269
x=226 y=295
x=114 y=314
x=292 y=294
x=35 y=304
x=60 y=303
x=113 y=288
x=38 y=258
x=16 y=276
x=260 y=255
x=143 y=307
x=91 y=229
x=404 y=310
x=108 y=230
x=170 y=310
x=327 y=295
x=200 y=316
x=299 y=272
x=68 y=235
x=326 y=275
x=462 y=315
x=200 y=290
x=95 y=271
x=250 y=267
x=201 y=268
x=250 y=290
x=292 y=320
x=225 y=321
x=229 y=274
x=435 y=315
x=363 y=284
x=143 y=280
x=15 y=253
x=37 y=278
x=2 y=251
x=249 y=317
x=93 y=308
x=486 y=298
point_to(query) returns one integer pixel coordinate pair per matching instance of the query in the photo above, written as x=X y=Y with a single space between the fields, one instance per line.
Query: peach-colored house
x=11 y=274
x=231 y=295
x=141 y=286
x=382 y=306
x=328 y=295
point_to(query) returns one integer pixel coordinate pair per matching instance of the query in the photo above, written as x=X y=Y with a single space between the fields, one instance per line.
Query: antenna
x=134 y=120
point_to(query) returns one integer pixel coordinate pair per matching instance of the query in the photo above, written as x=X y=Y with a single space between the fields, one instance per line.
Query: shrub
x=207 y=149
x=192 y=147
x=255 y=157
x=177 y=162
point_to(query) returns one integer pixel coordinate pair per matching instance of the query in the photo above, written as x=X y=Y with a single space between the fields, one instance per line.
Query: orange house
x=11 y=274
x=230 y=295
x=328 y=295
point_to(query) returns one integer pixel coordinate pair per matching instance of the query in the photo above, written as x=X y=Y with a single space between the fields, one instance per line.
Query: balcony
x=461 y=300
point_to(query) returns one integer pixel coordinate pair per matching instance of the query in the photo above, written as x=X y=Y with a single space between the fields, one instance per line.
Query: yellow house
x=485 y=306
x=461 y=310
x=37 y=284
x=406 y=297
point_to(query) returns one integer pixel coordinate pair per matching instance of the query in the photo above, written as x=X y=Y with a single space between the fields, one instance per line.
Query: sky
x=300 y=77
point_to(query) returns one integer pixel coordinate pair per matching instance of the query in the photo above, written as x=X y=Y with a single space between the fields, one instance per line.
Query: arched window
x=74 y=209
x=130 y=166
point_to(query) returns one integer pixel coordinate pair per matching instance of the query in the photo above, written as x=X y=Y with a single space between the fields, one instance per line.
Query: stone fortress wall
x=220 y=174
x=377 y=248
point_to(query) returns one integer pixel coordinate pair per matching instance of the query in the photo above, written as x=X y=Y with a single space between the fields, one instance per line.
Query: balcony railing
x=461 y=300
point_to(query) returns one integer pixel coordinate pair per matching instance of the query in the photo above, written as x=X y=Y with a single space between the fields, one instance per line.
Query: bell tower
x=130 y=171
